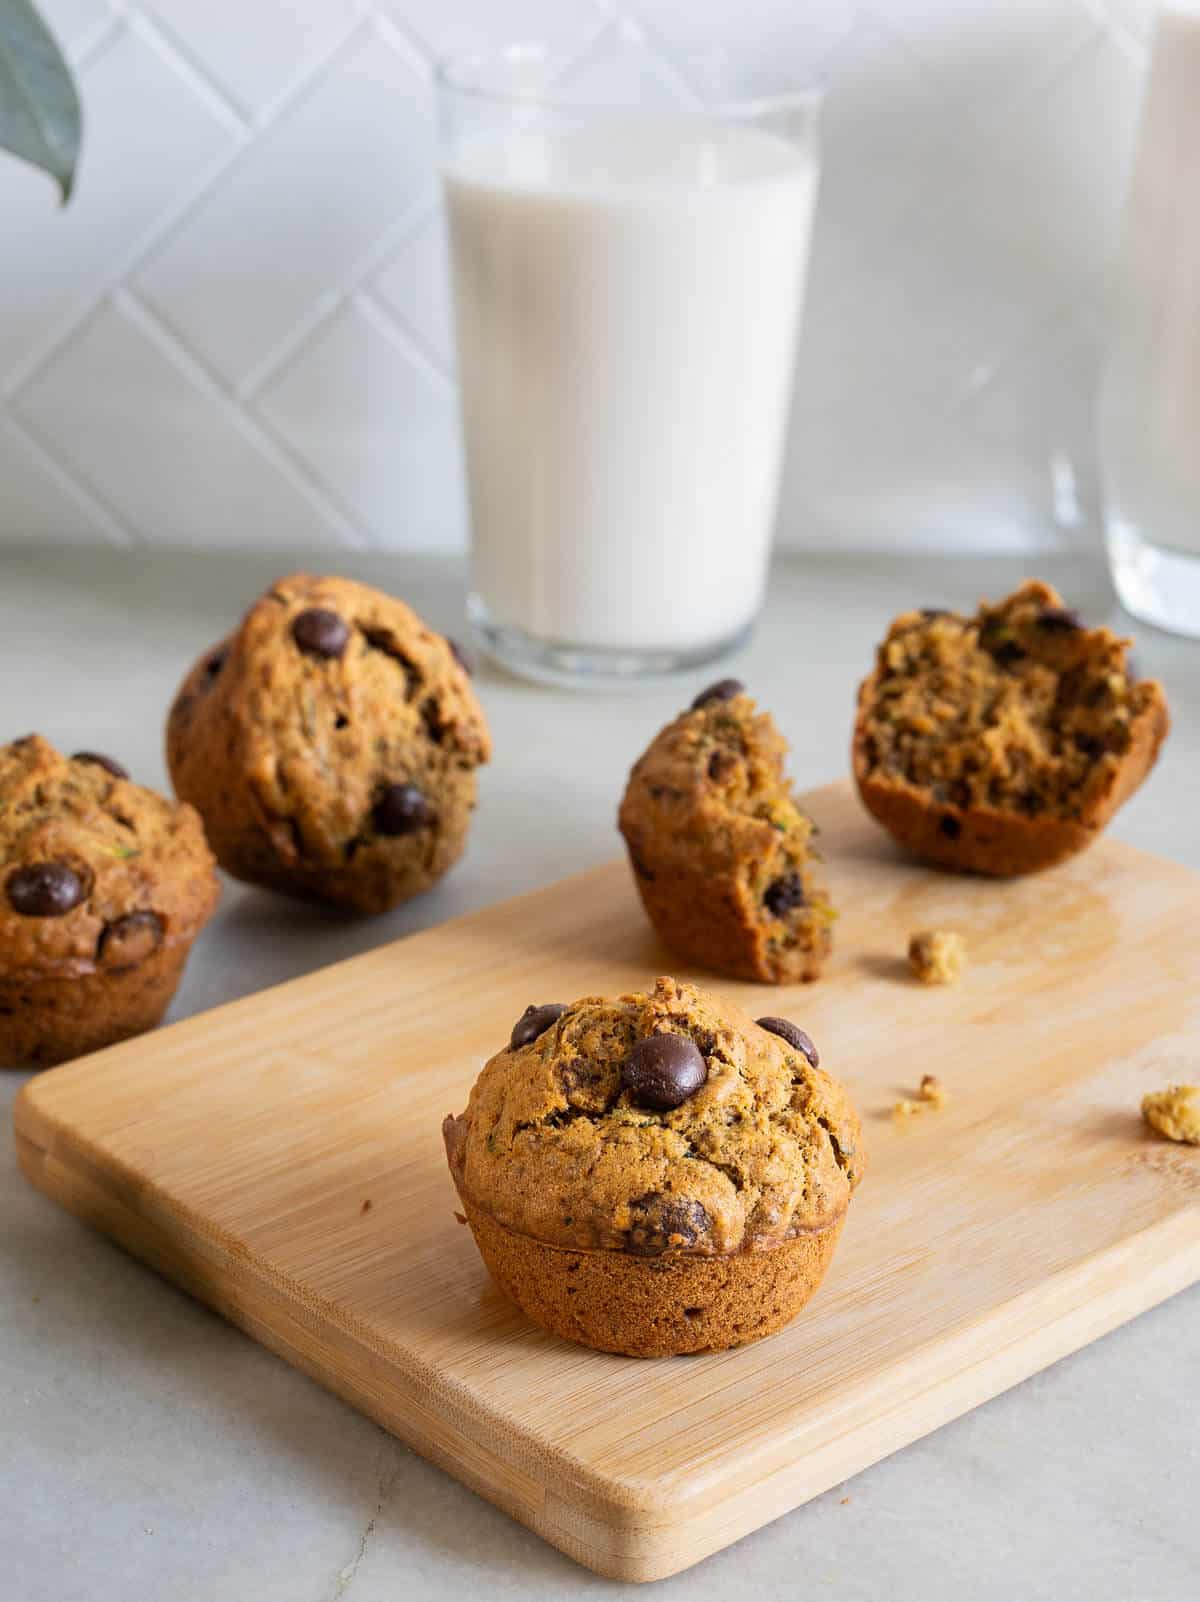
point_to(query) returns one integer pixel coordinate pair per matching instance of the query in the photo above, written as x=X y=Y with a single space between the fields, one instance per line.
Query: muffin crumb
x=931 y=1093
x=932 y=1090
x=1174 y=1112
x=937 y=956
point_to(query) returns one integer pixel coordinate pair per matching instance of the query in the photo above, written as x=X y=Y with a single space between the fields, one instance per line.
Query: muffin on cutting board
x=655 y=1173
x=1003 y=742
x=330 y=745
x=103 y=887
x=722 y=856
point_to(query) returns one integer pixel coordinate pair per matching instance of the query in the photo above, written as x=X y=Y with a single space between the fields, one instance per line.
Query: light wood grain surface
x=235 y=1153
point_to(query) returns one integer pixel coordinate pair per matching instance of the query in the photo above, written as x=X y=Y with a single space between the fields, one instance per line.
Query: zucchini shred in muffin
x=655 y=1173
x=722 y=856
x=1003 y=743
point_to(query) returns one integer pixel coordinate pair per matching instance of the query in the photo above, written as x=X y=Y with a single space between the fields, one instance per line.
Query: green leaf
x=39 y=110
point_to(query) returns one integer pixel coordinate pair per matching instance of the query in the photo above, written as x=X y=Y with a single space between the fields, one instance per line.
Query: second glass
x=628 y=277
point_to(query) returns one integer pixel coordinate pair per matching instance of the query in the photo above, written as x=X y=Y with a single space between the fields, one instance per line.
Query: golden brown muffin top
x=1019 y=706
x=330 y=690
x=96 y=872
x=556 y=1144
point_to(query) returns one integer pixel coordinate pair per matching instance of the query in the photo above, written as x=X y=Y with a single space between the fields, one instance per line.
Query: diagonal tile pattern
x=185 y=467
x=378 y=424
x=240 y=332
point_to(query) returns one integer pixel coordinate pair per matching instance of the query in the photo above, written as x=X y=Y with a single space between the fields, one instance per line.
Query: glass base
x=590 y=667
x=1156 y=584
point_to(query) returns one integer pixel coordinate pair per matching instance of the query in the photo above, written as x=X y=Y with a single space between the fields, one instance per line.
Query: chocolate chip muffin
x=655 y=1173
x=103 y=887
x=330 y=746
x=1004 y=742
x=722 y=856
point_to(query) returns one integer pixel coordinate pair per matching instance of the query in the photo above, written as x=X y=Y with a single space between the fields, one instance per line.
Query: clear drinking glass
x=1150 y=401
x=628 y=264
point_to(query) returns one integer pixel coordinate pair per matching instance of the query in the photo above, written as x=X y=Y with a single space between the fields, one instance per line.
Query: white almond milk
x=1150 y=418
x=627 y=305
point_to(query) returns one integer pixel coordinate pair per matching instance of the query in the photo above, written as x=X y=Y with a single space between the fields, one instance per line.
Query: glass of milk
x=1150 y=402
x=628 y=267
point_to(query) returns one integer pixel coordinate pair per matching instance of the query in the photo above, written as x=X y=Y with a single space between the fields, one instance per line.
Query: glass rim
x=450 y=76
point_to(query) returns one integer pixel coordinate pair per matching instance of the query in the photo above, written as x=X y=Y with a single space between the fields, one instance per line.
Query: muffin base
x=50 y=1020
x=661 y=1306
x=713 y=924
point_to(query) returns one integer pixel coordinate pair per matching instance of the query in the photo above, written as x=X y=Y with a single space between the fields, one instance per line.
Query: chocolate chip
x=460 y=656
x=216 y=662
x=662 y=1071
x=44 y=890
x=1089 y=745
x=319 y=632
x=793 y=1034
x=109 y=764
x=722 y=690
x=950 y=826
x=660 y=1223
x=534 y=1021
x=402 y=809
x=1059 y=620
x=130 y=940
x=784 y=895
x=1007 y=652
x=930 y=612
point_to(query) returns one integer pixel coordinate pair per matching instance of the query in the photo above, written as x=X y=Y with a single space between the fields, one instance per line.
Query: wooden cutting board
x=281 y=1159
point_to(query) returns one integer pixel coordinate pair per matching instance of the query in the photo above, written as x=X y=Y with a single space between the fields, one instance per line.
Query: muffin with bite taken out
x=723 y=857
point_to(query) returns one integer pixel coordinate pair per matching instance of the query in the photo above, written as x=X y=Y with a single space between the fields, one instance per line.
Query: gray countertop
x=149 y=1451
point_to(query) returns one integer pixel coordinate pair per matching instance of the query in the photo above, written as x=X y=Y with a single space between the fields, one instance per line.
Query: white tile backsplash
x=986 y=54
x=446 y=27
x=58 y=263
x=43 y=499
x=159 y=446
x=239 y=331
x=414 y=284
x=789 y=40
x=76 y=23
x=301 y=207
x=253 y=52
x=378 y=423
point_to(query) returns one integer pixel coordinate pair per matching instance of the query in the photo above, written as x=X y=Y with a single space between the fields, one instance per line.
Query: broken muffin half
x=1004 y=742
